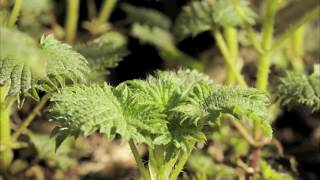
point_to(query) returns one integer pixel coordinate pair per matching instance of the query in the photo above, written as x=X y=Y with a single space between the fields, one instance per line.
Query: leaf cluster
x=26 y=65
x=168 y=109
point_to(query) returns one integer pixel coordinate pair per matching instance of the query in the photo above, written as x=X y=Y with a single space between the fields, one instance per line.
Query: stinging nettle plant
x=167 y=112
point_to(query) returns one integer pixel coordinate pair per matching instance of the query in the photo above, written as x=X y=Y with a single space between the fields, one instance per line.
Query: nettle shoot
x=167 y=112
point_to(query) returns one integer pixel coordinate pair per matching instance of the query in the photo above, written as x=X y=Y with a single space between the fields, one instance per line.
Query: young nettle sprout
x=25 y=68
x=166 y=112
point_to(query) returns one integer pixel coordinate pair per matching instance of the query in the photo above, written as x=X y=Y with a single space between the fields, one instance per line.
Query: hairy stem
x=243 y=132
x=138 y=159
x=105 y=12
x=72 y=19
x=6 y=154
x=30 y=117
x=179 y=166
x=231 y=37
x=228 y=58
x=15 y=13
x=296 y=49
x=247 y=26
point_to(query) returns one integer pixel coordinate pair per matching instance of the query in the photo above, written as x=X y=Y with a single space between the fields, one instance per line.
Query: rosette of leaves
x=205 y=15
x=297 y=88
x=167 y=112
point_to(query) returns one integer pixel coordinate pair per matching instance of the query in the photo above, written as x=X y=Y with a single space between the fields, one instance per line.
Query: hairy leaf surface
x=297 y=88
x=26 y=65
x=169 y=108
x=200 y=16
x=64 y=63
x=105 y=52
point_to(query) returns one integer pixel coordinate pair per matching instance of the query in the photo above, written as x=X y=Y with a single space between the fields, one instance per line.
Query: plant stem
x=15 y=13
x=230 y=34
x=284 y=36
x=247 y=26
x=266 y=44
x=105 y=12
x=72 y=19
x=30 y=117
x=179 y=166
x=228 y=58
x=243 y=132
x=6 y=154
x=296 y=49
x=139 y=162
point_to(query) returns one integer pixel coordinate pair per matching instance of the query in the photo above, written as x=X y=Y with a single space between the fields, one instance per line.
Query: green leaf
x=165 y=43
x=81 y=109
x=21 y=63
x=241 y=103
x=105 y=52
x=146 y=16
x=64 y=63
x=200 y=16
x=297 y=88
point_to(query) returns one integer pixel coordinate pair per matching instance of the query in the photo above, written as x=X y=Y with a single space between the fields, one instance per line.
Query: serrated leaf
x=21 y=61
x=200 y=16
x=63 y=62
x=105 y=52
x=297 y=88
x=241 y=103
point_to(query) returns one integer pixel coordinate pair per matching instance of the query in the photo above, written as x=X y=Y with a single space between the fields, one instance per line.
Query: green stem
x=6 y=154
x=107 y=8
x=72 y=19
x=30 y=117
x=179 y=166
x=284 y=36
x=231 y=37
x=139 y=162
x=228 y=58
x=297 y=50
x=247 y=26
x=267 y=37
x=15 y=13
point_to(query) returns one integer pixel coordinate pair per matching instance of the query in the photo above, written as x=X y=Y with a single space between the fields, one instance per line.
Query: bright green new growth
x=25 y=65
x=166 y=111
x=200 y=16
x=297 y=88
x=146 y=16
x=104 y=52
